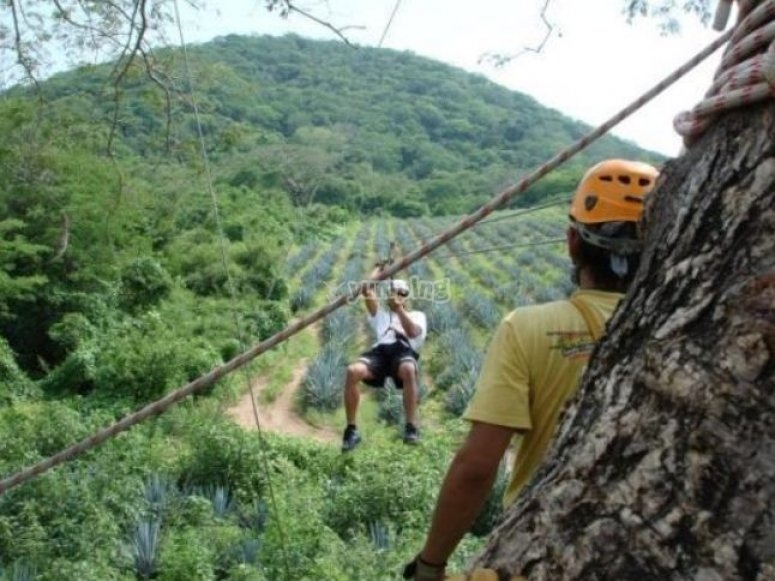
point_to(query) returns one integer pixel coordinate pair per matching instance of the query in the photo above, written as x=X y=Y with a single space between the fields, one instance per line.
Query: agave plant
x=247 y=551
x=301 y=258
x=379 y=535
x=339 y=327
x=221 y=500
x=481 y=310
x=19 y=571
x=158 y=493
x=459 y=358
x=391 y=407
x=145 y=548
x=301 y=299
x=442 y=318
x=254 y=517
x=458 y=396
x=322 y=386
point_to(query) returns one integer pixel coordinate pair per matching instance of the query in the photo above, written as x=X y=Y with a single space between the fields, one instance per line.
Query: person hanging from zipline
x=536 y=358
x=400 y=334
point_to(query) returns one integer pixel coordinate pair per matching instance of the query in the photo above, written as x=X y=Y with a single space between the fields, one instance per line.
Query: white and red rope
x=746 y=74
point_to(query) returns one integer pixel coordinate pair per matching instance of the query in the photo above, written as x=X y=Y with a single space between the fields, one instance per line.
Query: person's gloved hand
x=420 y=570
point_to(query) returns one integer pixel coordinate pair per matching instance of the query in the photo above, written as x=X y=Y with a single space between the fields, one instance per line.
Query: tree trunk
x=664 y=464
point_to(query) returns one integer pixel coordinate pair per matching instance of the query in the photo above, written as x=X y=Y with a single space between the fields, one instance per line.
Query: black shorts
x=384 y=360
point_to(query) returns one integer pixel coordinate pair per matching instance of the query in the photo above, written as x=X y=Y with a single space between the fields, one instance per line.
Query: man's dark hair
x=598 y=262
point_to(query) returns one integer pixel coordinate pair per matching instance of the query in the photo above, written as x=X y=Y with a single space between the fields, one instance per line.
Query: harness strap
x=595 y=323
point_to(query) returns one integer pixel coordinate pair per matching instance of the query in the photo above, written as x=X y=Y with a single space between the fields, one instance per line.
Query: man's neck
x=586 y=281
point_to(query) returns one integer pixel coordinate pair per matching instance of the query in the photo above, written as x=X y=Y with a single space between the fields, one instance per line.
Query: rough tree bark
x=664 y=464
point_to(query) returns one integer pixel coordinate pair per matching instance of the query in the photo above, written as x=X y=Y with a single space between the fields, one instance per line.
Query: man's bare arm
x=370 y=293
x=412 y=329
x=466 y=486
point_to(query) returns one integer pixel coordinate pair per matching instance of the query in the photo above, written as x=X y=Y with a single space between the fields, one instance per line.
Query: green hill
x=372 y=130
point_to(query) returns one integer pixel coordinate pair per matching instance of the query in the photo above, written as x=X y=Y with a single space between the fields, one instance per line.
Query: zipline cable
x=502 y=247
x=497 y=201
x=515 y=214
x=522 y=211
x=232 y=291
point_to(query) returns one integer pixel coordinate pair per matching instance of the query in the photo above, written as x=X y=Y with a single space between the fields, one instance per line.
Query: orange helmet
x=613 y=191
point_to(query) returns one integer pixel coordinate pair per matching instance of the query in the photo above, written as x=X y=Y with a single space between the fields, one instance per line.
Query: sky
x=591 y=66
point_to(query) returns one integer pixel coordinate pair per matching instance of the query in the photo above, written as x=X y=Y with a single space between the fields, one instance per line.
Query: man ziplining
x=400 y=334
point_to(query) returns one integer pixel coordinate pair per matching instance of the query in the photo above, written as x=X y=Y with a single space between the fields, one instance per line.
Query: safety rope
x=263 y=445
x=497 y=201
x=741 y=79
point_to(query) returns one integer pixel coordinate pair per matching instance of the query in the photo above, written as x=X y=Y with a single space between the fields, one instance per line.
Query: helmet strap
x=619 y=265
x=620 y=246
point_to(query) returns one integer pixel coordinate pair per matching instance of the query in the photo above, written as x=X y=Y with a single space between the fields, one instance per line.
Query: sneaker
x=350 y=439
x=411 y=434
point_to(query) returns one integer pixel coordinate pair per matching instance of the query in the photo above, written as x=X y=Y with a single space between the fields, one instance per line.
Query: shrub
x=223 y=454
x=388 y=484
x=14 y=384
x=72 y=330
x=187 y=554
x=268 y=318
x=144 y=283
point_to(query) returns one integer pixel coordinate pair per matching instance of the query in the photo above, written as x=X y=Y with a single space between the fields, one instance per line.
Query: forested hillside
x=137 y=254
x=368 y=129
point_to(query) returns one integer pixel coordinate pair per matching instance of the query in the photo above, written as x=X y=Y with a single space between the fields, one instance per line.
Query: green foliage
x=268 y=318
x=139 y=359
x=144 y=283
x=17 y=281
x=14 y=384
x=384 y=484
x=188 y=554
x=224 y=455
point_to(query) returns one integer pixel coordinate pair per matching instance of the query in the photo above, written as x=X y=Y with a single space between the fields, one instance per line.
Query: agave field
x=464 y=287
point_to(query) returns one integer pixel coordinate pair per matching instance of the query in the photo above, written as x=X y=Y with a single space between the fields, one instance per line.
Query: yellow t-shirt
x=533 y=364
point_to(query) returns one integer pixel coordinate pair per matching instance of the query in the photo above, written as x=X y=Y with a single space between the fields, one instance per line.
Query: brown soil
x=280 y=415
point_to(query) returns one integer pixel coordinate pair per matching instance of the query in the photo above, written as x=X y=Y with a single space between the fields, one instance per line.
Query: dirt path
x=280 y=416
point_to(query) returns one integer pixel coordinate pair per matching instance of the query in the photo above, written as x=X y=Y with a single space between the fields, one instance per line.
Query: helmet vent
x=590 y=202
x=606 y=179
x=643 y=182
x=625 y=180
x=633 y=199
